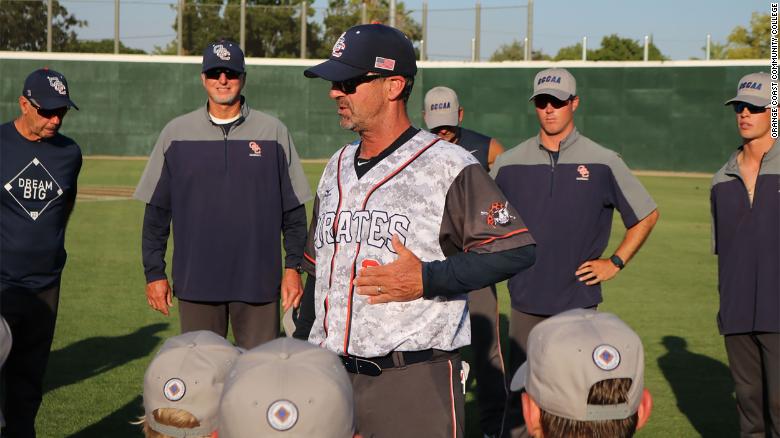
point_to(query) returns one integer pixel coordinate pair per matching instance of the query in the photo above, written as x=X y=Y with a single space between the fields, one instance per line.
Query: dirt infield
x=104 y=193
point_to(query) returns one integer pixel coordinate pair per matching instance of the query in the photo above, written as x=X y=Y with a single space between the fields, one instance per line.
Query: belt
x=373 y=366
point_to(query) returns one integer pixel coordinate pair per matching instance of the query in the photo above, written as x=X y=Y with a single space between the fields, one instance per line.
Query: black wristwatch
x=617 y=261
x=298 y=268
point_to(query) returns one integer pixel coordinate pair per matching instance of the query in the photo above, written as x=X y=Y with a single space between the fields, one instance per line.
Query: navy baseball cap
x=223 y=54
x=367 y=48
x=47 y=89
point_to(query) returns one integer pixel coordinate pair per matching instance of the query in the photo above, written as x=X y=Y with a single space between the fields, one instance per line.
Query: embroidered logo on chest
x=255 y=150
x=34 y=188
x=584 y=173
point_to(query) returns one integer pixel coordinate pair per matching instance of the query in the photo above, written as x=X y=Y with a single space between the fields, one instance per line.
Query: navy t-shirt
x=39 y=189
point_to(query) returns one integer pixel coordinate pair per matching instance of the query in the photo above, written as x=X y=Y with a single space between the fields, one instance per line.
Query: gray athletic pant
x=520 y=325
x=754 y=360
x=488 y=360
x=253 y=324
x=424 y=399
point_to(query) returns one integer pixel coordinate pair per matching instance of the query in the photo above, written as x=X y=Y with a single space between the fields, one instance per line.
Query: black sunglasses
x=215 y=73
x=542 y=101
x=49 y=113
x=349 y=86
x=752 y=109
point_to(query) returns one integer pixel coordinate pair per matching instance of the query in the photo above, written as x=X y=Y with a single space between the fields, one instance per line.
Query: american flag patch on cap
x=384 y=63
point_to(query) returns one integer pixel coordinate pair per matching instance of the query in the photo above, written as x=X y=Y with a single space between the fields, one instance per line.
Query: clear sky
x=678 y=27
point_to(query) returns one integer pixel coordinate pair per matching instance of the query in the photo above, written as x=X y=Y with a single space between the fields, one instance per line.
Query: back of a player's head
x=287 y=388
x=584 y=376
x=5 y=349
x=183 y=383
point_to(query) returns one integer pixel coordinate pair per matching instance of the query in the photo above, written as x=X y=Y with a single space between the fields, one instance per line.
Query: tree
x=515 y=51
x=343 y=14
x=272 y=28
x=100 y=46
x=745 y=43
x=21 y=29
x=613 y=48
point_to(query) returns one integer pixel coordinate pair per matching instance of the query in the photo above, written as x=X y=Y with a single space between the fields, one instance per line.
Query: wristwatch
x=298 y=268
x=617 y=261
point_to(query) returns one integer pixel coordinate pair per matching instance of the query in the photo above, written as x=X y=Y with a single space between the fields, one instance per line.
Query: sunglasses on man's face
x=752 y=109
x=215 y=73
x=349 y=86
x=49 y=113
x=542 y=101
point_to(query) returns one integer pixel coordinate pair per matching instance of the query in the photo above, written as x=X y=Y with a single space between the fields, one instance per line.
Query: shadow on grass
x=116 y=424
x=92 y=356
x=703 y=388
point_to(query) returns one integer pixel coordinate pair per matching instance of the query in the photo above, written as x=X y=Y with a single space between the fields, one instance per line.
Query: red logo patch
x=584 y=173
x=498 y=214
x=257 y=150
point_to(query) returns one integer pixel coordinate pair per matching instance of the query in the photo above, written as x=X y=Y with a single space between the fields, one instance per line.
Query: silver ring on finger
x=379 y=289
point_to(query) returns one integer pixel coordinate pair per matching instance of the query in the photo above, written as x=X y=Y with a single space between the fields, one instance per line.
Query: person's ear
x=575 y=102
x=645 y=407
x=532 y=415
x=395 y=87
x=460 y=115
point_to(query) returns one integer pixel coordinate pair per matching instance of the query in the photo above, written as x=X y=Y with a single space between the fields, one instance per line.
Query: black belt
x=373 y=366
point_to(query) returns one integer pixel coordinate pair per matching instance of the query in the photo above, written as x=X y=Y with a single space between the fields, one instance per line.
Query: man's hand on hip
x=596 y=271
x=400 y=280
x=292 y=289
x=159 y=296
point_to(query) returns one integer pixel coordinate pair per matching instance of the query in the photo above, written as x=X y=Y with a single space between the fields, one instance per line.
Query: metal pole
x=647 y=48
x=116 y=26
x=392 y=13
x=242 y=25
x=179 y=26
x=530 y=28
x=48 y=24
x=709 y=44
x=472 y=50
x=364 y=13
x=584 y=48
x=424 y=42
x=477 y=30
x=526 y=57
x=304 y=14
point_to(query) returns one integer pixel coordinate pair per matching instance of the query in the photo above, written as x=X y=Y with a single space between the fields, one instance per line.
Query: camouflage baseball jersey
x=436 y=197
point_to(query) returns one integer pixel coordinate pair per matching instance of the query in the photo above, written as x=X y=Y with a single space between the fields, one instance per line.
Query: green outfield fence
x=658 y=115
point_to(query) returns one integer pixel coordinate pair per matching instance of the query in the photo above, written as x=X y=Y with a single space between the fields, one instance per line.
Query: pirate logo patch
x=282 y=415
x=174 y=389
x=498 y=214
x=606 y=357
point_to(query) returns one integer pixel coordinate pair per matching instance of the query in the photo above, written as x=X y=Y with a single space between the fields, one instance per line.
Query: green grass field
x=106 y=334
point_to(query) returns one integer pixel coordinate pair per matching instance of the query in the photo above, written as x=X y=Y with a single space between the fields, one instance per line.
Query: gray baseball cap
x=557 y=82
x=5 y=348
x=754 y=89
x=570 y=352
x=188 y=373
x=441 y=107
x=287 y=388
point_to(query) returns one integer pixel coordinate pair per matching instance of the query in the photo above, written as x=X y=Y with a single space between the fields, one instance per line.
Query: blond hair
x=170 y=417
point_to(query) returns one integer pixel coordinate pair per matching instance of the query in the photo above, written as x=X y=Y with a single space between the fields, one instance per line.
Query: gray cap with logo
x=287 y=388
x=188 y=373
x=570 y=352
x=441 y=107
x=754 y=89
x=557 y=82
